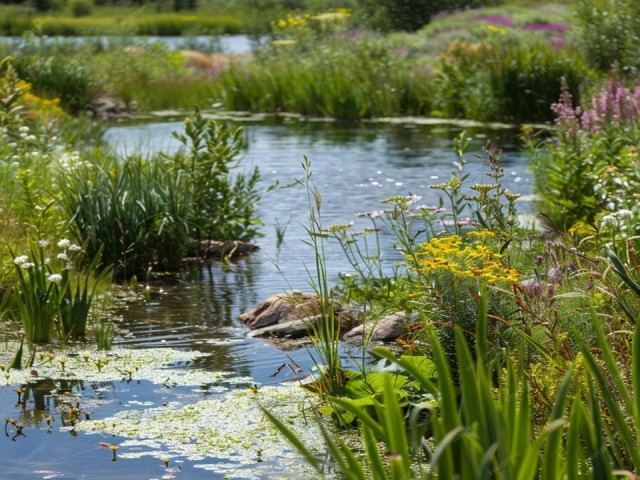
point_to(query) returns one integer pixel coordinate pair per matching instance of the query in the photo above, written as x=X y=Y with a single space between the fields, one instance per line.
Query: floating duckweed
x=148 y=364
x=229 y=429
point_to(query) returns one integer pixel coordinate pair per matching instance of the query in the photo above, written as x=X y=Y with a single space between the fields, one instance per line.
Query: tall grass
x=38 y=294
x=325 y=331
x=361 y=81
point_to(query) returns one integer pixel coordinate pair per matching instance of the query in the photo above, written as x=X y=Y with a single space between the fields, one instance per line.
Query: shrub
x=607 y=34
x=67 y=78
x=519 y=81
x=407 y=15
x=142 y=213
x=81 y=8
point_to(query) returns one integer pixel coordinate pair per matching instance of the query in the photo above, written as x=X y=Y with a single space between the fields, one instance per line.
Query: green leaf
x=420 y=363
x=16 y=364
x=373 y=384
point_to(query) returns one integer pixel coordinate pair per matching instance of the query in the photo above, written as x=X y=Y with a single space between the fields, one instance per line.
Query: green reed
x=38 y=293
x=326 y=330
x=76 y=301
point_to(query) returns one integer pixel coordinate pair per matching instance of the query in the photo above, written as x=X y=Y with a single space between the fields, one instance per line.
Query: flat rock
x=228 y=249
x=387 y=329
x=292 y=329
x=283 y=308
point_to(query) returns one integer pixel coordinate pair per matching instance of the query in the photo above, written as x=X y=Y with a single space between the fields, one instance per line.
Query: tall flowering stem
x=38 y=293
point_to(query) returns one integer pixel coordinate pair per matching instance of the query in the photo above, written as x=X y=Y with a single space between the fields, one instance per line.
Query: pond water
x=354 y=167
x=230 y=44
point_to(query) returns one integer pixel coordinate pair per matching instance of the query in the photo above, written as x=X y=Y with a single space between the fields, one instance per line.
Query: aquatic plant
x=52 y=295
x=76 y=301
x=221 y=205
x=39 y=293
x=365 y=79
x=142 y=213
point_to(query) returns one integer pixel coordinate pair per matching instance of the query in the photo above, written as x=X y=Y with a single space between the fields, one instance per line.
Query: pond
x=230 y=44
x=190 y=328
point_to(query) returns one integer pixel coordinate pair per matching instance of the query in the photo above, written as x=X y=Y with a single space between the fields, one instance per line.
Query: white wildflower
x=74 y=248
x=43 y=243
x=20 y=260
x=64 y=243
x=63 y=256
x=23 y=128
x=55 y=278
x=28 y=265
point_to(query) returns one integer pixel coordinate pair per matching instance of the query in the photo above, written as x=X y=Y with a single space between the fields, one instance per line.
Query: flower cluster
x=473 y=257
x=612 y=106
x=291 y=21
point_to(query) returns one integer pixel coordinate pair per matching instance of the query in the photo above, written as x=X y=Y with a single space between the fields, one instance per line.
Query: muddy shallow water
x=354 y=166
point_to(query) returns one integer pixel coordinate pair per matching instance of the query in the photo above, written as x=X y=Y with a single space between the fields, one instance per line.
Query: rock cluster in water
x=291 y=315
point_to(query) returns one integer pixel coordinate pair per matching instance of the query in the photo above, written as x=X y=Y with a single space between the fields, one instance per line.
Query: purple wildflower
x=613 y=105
x=546 y=26
x=504 y=21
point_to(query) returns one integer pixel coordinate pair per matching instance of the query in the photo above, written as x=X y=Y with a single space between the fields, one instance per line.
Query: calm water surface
x=354 y=167
x=231 y=44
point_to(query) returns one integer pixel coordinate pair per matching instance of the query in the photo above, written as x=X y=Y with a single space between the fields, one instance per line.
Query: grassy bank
x=321 y=65
x=135 y=22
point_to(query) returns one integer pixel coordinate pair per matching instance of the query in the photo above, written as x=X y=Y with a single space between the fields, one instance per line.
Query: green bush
x=81 y=8
x=409 y=15
x=519 y=81
x=70 y=79
x=608 y=34
x=143 y=213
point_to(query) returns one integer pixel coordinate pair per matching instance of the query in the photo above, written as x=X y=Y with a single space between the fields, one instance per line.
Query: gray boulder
x=292 y=329
x=283 y=308
x=387 y=329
